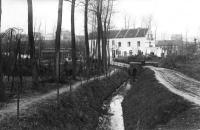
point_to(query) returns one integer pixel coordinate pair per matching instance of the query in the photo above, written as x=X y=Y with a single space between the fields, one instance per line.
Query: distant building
x=49 y=54
x=177 y=37
x=65 y=54
x=49 y=36
x=38 y=36
x=171 y=46
x=178 y=47
x=65 y=36
x=127 y=42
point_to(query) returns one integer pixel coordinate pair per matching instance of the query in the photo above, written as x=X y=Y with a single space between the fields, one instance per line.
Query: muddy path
x=178 y=83
x=11 y=109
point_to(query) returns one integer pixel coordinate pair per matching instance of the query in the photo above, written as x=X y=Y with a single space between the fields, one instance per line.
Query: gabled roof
x=124 y=33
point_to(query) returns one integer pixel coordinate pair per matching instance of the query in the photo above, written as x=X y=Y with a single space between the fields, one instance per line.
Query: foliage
x=137 y=58
x=79 y=110
x=173 y=61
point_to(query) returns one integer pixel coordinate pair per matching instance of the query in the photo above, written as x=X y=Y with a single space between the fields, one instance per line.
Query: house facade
x=171 y=46
x=128 y=42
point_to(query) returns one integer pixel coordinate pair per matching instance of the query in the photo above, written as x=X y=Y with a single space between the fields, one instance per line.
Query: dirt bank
x=149 y=104
x=78 y=111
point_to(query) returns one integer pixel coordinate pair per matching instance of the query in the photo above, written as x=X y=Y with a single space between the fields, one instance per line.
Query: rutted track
x=178 y=83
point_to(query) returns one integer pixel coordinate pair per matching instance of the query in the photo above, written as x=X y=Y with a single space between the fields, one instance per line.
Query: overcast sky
x=170 y=16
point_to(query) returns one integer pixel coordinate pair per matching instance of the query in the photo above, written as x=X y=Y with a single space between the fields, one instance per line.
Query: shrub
x=78 y=110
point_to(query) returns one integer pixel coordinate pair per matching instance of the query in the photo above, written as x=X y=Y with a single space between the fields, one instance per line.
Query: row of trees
x=101 y=12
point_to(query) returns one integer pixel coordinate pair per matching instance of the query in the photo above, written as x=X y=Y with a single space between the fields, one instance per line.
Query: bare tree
x=106 y=24
x=147 y=21
x=99 y=28
x=57 y=45
x=73 y=38
x=32 y=45
x=133 y=22
x=93 y=35
x=102 y=10
x=127 y=21
x=19 y=69
x=86 y=31
x=2 y=87
x=107 y=27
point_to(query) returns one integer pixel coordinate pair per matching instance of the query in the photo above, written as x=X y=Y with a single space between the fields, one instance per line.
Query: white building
x=128 y=42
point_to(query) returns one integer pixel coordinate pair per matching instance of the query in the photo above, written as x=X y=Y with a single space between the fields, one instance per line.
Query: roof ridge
x=126 y=33
x=138 y=30
x=118 y=33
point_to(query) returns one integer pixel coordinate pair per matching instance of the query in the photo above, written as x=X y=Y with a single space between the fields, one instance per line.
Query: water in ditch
x=114 y=119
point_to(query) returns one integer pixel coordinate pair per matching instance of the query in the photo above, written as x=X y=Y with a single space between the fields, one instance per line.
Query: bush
x=168 y=62
x=3 y=96
x=81 y=110
x=171 y=61
x=137 y=58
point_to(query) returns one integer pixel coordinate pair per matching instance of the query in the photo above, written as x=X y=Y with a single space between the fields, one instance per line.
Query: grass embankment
x=179 y=63
x=80 y=111
x=189 y=69
x=149 y=104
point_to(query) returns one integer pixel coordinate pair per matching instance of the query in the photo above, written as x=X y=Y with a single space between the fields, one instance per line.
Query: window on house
x=113 y=53
x=130 y=52
x=113 y=42
x=150 y=44
x=119 y=44
x=129 y=44
x=138 y=43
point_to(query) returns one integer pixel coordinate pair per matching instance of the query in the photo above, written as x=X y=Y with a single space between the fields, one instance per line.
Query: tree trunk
x=2 y=87
x=99 y=30
x=57 y=41
x=108 y=33
x=32 y=45
x=106 y=29
x=86 y=32
x=20 y=85
x=105 y=37
x=57 y=48
x=104 y=44
x=73 y=38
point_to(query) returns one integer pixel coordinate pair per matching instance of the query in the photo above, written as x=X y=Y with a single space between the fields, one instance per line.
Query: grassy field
x=149 y=104
x=190 y=69
x=188 y=120
x=79 y=110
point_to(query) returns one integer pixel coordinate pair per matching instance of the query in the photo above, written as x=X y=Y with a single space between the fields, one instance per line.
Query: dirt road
x=178 y=83
x=11 y=108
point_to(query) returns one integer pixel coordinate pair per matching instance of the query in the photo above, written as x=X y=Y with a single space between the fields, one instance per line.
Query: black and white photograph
x=99 y=65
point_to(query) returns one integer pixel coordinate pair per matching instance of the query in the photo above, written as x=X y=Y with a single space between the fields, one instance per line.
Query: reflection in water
x=115 y=121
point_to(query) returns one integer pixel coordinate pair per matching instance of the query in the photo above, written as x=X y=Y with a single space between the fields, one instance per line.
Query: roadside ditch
x=79 y=110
